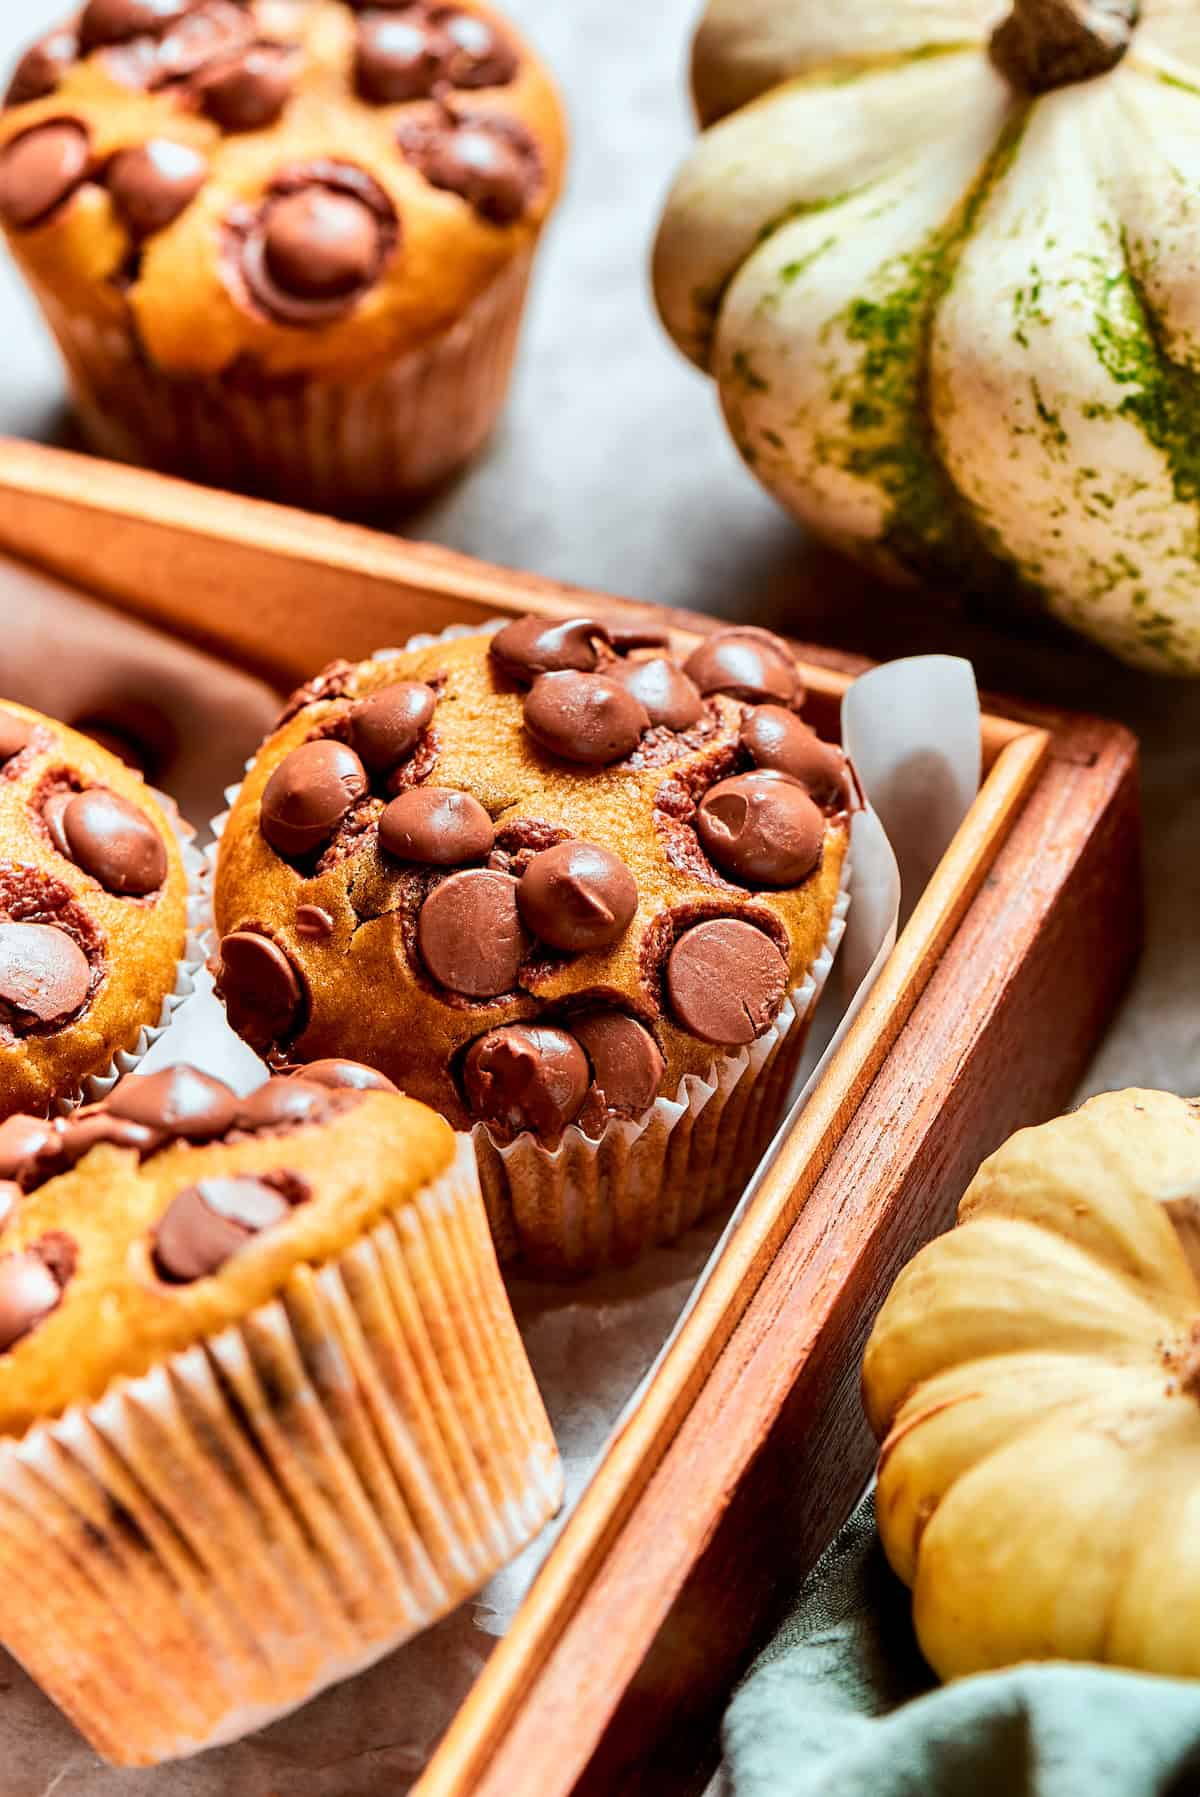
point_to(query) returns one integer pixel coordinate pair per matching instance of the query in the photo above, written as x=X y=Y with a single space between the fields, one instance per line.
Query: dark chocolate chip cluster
x=486 y=905
x=207 y=1222
x=488 y=901
x=542 y=1076
x=420 y=52
x=587 y=702
x=323 y=234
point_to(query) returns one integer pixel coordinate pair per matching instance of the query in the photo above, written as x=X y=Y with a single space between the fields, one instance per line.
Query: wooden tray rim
x=41 y=490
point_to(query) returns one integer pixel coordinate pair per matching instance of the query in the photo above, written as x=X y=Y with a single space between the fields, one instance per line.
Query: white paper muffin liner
x=208 y=1545
x=592 y=1202
x=196 y=949
x=344 y=443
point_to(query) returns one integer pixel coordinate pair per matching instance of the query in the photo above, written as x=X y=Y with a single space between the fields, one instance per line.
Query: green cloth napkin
x=841 y=1704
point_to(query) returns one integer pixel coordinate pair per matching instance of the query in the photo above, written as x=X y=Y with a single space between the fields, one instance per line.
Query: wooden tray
x=749 y=1447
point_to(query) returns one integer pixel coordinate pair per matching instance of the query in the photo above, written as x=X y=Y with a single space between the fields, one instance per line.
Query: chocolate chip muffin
x=284 y=244
x=93 y=912
x=573 y=892
x=264 y=1412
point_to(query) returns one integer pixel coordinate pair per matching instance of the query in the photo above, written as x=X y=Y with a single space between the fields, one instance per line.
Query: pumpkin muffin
x=284 y=244
x=264 y=1412
x=93 y=913
x=575 y=894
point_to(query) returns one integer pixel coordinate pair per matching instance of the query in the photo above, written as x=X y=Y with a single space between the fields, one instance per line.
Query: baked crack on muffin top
x=236 y=173
x=538 y=876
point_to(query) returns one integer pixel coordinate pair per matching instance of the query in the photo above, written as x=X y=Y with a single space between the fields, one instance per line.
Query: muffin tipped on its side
x=264 y=1412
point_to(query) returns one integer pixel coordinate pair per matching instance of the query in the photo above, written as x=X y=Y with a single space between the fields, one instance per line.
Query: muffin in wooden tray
x=578 y=896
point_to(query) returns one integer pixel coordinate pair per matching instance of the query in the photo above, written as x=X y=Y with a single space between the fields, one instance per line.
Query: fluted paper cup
x=210 y=1544
x=602 y=1201
x=356 y=444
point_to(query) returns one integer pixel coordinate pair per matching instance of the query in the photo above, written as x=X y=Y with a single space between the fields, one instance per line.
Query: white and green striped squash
x=942 y=258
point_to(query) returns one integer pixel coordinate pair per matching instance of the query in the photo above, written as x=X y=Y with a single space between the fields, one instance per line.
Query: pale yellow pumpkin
x=1035 y=1378
x=949 y=290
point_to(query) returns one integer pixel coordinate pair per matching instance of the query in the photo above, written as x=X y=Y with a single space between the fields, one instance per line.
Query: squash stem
x=1045 y=44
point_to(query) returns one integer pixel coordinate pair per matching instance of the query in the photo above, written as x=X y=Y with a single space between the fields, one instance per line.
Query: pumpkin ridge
x=832 y=71
x=1151 y=65
x=1164 y=401
x=932 y=532
x=709 y=301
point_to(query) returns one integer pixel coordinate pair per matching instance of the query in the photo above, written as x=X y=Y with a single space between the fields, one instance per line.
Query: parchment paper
x=592 y=1346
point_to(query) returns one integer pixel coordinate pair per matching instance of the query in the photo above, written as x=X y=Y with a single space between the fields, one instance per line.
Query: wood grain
x=774 y=1452
x=748 y=1447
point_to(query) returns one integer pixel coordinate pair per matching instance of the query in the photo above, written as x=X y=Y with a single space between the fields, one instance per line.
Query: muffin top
x=536 y=877
x=93 y=909
x=143 y=1224
x=299 y=184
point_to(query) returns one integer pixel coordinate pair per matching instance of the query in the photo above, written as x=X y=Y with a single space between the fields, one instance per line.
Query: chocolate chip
x=29 y=1150
x=746 y=663
x=208 y=1223
x=627 y=1063
x=399 y=59
x=313 y=923
x=212 y=30
x=437 y=827
x=491 y=164
x=726 y=981
x=625 y=637
x=152 y=184
x=42 y=67
x=585 y=718
x=470 y=936
x=577 y=896
x=762 y=828
x=40 y=169
x=43 y=972
x=481 y=56
x=321 y=245
x=386 y=727
x=111 y=840
x=31 y=1286
x=527 y=1076
x=249 y=90
x=52 y=816
x=95 y=1127
x=319 y=241
x=775 y=738
x=669 y=697
x=309 y=794
x=180 y=1101
x=15 y=735
x=116 y=21
x=284 y=1101
x=260 y=987
x=345 y=1076
x=531 y=646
